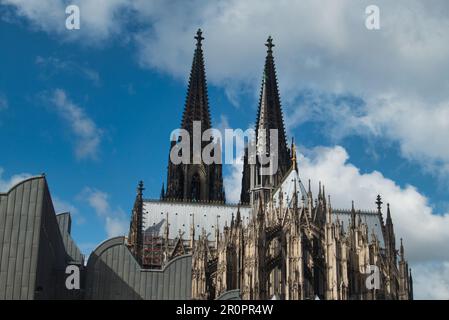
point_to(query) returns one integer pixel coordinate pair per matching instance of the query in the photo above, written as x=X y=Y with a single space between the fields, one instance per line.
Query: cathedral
x=280 y=241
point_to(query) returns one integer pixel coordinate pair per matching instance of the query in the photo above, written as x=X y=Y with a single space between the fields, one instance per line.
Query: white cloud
x=42 y=13
x=52 y=65
x=6 y=184
x=233 y=183
x=100 y=19
x=116 y=221
x=84 y=128
x=425 y=232
x=399 y=71
x=116 y=226
x=420 y=131
x=233 y=179
x=431 y=280
x=62 y=206
x=321 y=46
x=99 y=201
x=87 y=248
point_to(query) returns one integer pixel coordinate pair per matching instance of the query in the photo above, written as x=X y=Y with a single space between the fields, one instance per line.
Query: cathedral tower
x=195 y=181
x=269 y=116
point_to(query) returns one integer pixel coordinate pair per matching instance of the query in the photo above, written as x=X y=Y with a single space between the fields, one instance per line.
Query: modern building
x=35 y=244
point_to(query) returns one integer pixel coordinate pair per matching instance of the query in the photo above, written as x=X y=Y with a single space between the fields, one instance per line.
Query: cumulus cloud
x=98 y=200
x=431 y=280
x=85 y=130
x=232 y=156
x=425 y=232
x=321 y=46
x=52 y=65
x=62 y=206
x=399 y=72
x=233 y=183
x=394 y=84
x=116 y=221
x=419 y=130
x=6 y=184
x=100 y=19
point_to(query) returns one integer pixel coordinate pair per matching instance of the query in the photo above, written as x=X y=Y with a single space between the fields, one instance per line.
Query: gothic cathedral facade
x=279 y=242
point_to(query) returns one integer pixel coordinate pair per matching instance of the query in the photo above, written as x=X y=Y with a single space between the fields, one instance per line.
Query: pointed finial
x=140 y=188
x=319 y=189
x=294 y=157
x=379 y=203
x=199 y=37
x=401 y=250
x=388 y=212
x=294 y=164
x=269 y=44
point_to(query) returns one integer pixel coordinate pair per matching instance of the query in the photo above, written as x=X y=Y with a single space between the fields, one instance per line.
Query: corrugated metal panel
x=32 y=251
x=114 y=273
x=65 y=222
x=19 y=222
x=230 y=295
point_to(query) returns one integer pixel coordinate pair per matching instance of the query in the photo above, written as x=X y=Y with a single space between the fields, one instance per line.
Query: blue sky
x=94 y=109
x=134 y=109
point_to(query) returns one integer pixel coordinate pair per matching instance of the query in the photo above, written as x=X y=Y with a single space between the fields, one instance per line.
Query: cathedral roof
x=371 y=218
x=181 y=214
x=290 y=184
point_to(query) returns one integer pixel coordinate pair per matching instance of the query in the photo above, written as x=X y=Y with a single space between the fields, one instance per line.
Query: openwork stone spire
x=197 y=104
x=269 y=114
x=196 y=181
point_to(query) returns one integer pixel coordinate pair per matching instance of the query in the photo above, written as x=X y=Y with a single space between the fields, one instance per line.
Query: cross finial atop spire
x=269 y=44
x=379 y=203
x=140 y=188
x=199 y=37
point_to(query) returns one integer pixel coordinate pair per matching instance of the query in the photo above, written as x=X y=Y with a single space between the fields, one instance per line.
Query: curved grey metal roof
x=230 y=295
x=72 y=250
x=32 y=251
x=114 y=273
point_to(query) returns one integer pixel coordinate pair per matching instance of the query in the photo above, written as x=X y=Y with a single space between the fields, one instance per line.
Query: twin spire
x=197 y=102
x=196 y=108
x=269 y=114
